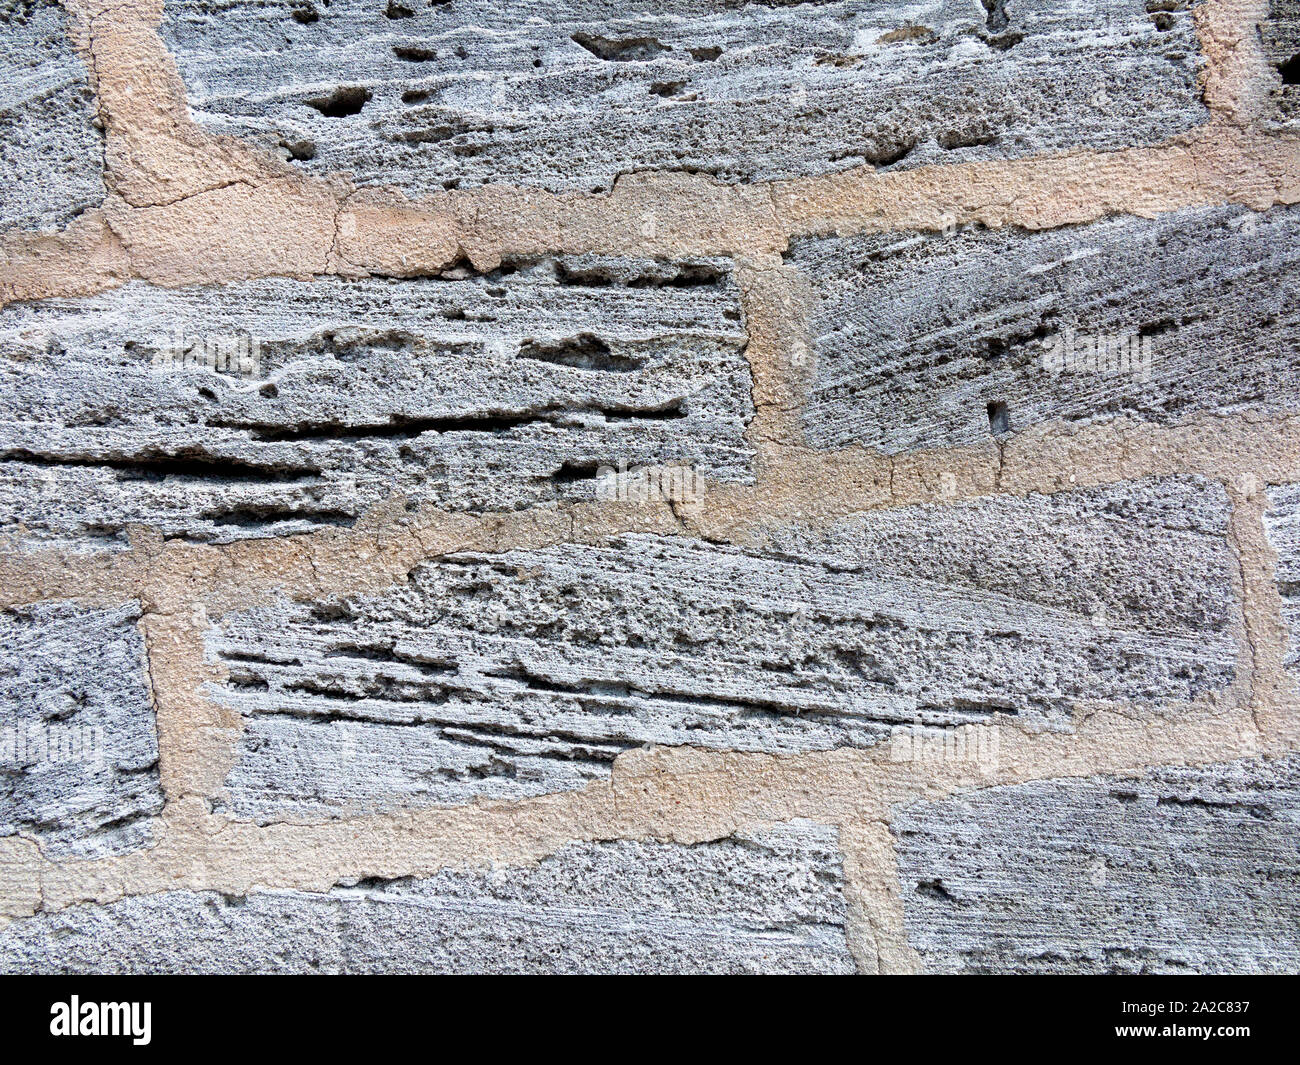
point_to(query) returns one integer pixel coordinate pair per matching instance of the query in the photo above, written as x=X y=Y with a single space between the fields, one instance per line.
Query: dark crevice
x=407 y=427
x=151 y=466
x=396 y=426
x=383 y=688
x=571 y=472
x=341 y=103
x=411 y=53
x=258 y=516
x=997 y=33
x=968 y=706
x=889 y=155
x=952 y=141
x=386 y=654
x=689 y=275
x=774 y=707
x=934 y=889
x=628 y=50
x=999 y=418
x=583 y=352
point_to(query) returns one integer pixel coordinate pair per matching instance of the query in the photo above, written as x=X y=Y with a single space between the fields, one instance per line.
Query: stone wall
x=673 y=486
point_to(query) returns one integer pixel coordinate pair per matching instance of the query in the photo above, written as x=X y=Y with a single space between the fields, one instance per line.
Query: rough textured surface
x=1280 y=35
x=933 y=339
x=1282 y=523
x=78 y=747
x=1087 y=600
x=769 y=902
x=486 y=392
x=51 y=155
x=567 y=94
x=1184 y=870
x=527 y=672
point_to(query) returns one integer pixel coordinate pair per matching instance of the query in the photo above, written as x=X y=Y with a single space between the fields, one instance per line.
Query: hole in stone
x=997 y=25
x=571 y=471
x=416 y=96
x=889 y=154
x=305 y=13
x=632 y=49
x=999 y=418
x=1290 y=71
x=583 y=352
x=934 y=889
x=706 y=55
x=411 y=53
x=341 y=102
x=667 y=88
x=396 y=10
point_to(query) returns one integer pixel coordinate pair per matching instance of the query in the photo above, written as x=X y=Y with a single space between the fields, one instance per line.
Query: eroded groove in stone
x=766 y=902
x=78 y=743
x=1280 y=35
x=526 y=672
x=51 y=155
x=488 y=392
x=1183 y=870
x=567 y=94
x=1282 y=523
x=927 y=339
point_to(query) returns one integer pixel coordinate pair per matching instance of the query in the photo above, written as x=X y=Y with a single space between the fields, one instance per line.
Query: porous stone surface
x=493 y=391
x=51 y=154
x=769 y=902
x=529 y=671
x=934 y=339
x=1280 y=36
x=1183 y=870
x=1282 y=523
x=78 y=743
x=568 y=94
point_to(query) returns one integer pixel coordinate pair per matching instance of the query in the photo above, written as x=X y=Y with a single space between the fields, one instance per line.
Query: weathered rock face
x=1183 y=870
x=768 y=902
x=1280 y=36
x=51 y=154
x=275 y=407
x=1282 y=523
x=78 y=745
x=528 y=672
x=567 y=94
x=927 y=339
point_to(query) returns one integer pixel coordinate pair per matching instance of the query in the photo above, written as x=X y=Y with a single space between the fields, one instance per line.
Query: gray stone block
x=51 y=154
x=1280 y=36
x=1282 y=524
x=491 y=392
x=771 y=902
x=933 y=339
x=568 y=94
x=529 y=671
x=78 y=743
x=1181 y=871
